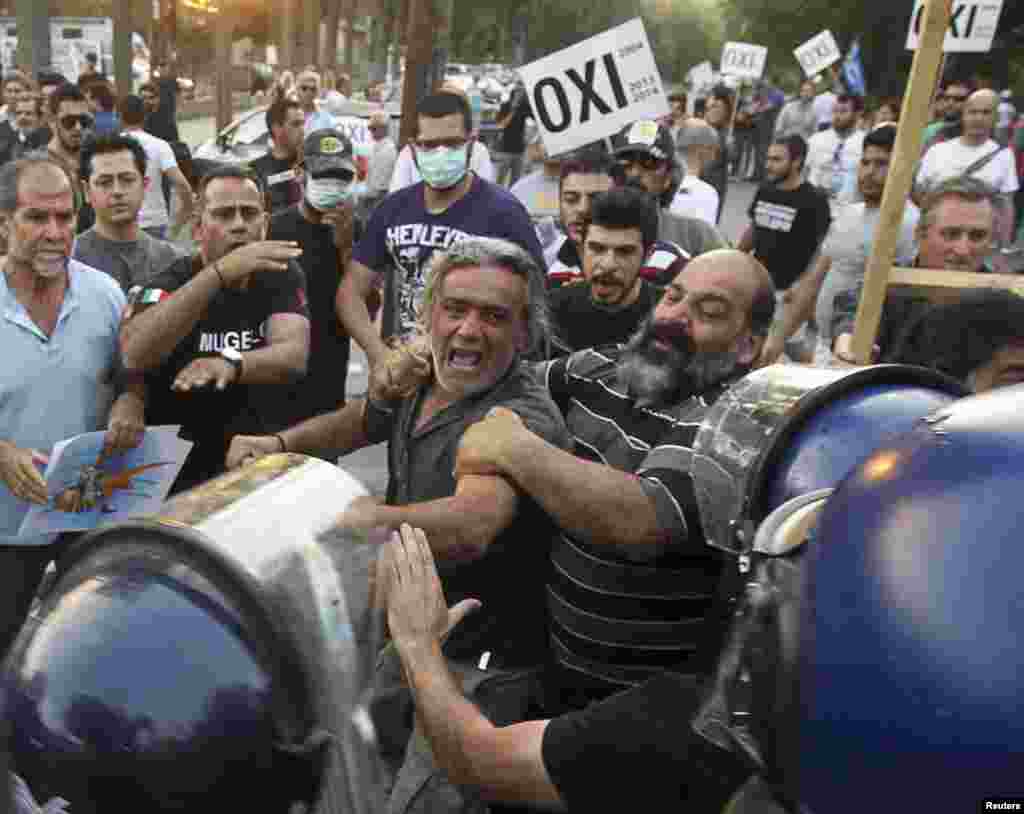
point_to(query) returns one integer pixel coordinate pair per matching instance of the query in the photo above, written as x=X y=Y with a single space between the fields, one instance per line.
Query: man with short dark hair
x=71 y=120
x=59 y=340
x=159 y=98
x=583 y=177
x=844 y=254
x=160 y=163
x=212 y=330
x=978 y=340
x=614 y=299
x=833 y=155
x=450 y=204
x=788 y=219
x=324 y=227
x=114 y=178
x=949 y=109
x=277 y=168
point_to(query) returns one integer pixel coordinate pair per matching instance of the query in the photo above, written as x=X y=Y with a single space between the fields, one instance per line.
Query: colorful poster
x=87 y=489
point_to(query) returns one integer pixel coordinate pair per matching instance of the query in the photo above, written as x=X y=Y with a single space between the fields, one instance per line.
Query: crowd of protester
x=540 y=358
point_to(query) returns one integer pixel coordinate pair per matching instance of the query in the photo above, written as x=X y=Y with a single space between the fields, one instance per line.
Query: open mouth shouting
x=464 y=360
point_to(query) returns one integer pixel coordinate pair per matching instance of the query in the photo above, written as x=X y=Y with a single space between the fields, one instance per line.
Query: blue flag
x=853 y=71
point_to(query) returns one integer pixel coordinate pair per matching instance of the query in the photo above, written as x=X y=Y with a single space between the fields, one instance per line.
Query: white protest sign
x=701 y=76
x=972 y=25
x=743 y=60
x=593 y=89
x=818 y=53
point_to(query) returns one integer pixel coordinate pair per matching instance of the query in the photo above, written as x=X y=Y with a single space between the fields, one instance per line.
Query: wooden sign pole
x=913 y=118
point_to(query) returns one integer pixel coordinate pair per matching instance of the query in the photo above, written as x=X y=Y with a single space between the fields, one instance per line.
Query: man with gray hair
x=483 y=307
x=60 y=341
x=956 y=231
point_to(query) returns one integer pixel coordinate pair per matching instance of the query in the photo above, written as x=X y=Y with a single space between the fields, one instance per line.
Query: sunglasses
x=308 y=88
x=83 y=119
x=953 y=97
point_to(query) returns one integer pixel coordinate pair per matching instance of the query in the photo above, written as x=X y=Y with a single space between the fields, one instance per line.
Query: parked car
x=247 y=137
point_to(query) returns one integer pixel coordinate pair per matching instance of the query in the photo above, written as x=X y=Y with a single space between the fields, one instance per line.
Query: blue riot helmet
x=911 y=662
x=787 y=430
x=199 y=660
x=767 y=452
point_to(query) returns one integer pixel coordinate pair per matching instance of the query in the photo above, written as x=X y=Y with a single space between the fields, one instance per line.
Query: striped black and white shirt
x=615 y=622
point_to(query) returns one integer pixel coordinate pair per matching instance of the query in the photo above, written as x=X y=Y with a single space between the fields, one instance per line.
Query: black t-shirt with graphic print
x=789 y=225
x=234 y=319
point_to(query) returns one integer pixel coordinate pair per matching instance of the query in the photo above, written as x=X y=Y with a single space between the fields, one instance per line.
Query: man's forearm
x=502 y=763
x=460 y=527
x=342 y=430
x=350 y=306
x=746 y=243
x=278 y=363
x=149 y=337
x=591 y=501
x=131 y=404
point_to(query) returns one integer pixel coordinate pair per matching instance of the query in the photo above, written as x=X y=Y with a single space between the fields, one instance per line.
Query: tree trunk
x=332 y=19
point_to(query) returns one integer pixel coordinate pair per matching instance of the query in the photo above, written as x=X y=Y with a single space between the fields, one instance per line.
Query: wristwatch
x=233 y=357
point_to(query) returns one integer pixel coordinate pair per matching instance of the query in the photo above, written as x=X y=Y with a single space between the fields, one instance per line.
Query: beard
x=656 y=375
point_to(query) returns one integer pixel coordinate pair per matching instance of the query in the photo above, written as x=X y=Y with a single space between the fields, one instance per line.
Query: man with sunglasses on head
x=160 y=164
x=323 y=226
x=408 y=227
x=214 y=334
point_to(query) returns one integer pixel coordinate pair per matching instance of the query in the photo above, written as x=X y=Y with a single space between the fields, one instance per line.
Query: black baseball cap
x=327 y=150
x=648 y=137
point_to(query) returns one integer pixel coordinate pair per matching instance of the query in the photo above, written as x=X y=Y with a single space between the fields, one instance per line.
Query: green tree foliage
x=681 y=34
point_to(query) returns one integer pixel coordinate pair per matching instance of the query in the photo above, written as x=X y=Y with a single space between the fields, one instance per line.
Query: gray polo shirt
x=510 y=578
x=130 y=262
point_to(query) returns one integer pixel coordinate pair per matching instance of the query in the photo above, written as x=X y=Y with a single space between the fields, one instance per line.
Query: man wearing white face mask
x=408 y=227
x=323 y=226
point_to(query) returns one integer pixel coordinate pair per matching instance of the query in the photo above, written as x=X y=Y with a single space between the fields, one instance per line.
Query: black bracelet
x=216 y=268
x=280 y=440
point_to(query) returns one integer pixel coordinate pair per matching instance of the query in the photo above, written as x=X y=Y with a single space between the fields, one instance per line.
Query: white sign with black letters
x=593 y=89
x=701 y=76
x=743 y=60
x=818 y=53
x=972 y=25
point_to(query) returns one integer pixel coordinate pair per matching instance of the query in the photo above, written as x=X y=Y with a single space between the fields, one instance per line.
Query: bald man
x=976 y=154
x=625 y=500
x=697 y=146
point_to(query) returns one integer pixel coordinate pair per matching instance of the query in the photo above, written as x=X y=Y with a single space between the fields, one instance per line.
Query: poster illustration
x=87 y=489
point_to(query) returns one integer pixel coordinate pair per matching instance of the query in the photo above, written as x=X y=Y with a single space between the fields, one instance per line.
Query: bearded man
x=633 y=578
